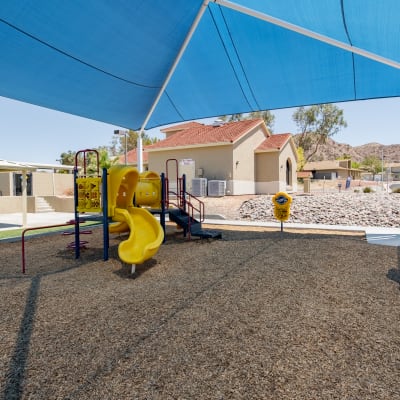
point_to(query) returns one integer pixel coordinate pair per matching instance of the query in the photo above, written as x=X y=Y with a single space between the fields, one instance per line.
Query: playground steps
x=182 y=218
x=42 y=206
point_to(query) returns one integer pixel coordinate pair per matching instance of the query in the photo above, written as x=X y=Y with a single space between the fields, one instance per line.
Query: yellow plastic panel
x=89 y=194
x=148 y=190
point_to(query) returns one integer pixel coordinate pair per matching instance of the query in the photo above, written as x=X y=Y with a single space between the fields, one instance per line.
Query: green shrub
x=367 y=189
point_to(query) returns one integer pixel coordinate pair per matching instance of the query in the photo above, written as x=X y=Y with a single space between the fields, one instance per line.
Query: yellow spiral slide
x=145 y=232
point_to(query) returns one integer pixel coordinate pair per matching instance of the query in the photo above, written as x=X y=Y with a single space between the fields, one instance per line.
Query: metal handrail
x=193 y=208
x=34 y=229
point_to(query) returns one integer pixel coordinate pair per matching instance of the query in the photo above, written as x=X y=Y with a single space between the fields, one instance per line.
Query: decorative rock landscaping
x=344 y=208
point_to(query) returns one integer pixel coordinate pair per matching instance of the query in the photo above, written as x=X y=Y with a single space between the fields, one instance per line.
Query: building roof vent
x=218 y=122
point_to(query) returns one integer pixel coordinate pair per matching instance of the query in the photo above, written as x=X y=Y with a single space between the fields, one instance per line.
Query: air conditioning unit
x=216 y=188
x=199 y=187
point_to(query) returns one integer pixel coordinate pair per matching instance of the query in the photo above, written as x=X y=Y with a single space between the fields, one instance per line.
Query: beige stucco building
x=243 y=154
x=35 y=187
x=335 y=169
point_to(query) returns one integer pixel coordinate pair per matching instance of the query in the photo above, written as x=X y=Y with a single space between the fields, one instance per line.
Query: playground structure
x=124 y=201
x=131 y=200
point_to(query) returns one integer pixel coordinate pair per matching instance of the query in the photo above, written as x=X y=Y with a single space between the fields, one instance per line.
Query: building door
x=18 y=184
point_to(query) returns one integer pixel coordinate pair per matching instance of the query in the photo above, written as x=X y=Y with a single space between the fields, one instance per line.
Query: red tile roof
x=198 y=134
x=180 y=127
x=131 y=157
x=304 y=174
x=274 y=142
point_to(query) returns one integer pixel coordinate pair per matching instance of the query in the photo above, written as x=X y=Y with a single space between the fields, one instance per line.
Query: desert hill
x=333 y=150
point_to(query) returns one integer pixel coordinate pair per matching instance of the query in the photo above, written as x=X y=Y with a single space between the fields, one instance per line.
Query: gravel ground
x=255 y=315
x=345 y=208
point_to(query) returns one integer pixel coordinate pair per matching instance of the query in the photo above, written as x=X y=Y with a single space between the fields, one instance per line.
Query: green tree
x=266 y=115
x=118 y=142
x=105 y=161
x=91 y=163
x=344 y=156
x=107 y=154
x=300 y=159
x=372 y=164
x=233 y=117
x=316 y=124
x=67 y=158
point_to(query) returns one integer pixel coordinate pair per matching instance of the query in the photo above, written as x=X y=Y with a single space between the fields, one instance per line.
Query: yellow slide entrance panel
x=89 y=194
x=148 y=190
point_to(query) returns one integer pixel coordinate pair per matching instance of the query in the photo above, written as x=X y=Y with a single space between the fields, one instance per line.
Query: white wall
x=237 y=187
x=6 y=183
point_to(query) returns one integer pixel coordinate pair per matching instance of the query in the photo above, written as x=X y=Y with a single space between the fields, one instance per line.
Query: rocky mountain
x=333 y=150
x=391 y=153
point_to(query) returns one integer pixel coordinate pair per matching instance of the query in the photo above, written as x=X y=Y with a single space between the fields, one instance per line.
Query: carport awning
x=11 y=166
x=109 y=60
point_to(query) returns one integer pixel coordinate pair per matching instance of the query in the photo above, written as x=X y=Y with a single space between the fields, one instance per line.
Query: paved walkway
x=14 y=220
x=376 y=235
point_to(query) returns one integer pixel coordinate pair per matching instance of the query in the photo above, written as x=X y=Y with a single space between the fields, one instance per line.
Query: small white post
x=139 y=149
x=24 y=184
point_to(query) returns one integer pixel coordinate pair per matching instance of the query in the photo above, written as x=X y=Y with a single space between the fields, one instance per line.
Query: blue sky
x=35 y=134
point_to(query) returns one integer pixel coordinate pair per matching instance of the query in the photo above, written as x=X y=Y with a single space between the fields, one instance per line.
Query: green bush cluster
x=367 y=189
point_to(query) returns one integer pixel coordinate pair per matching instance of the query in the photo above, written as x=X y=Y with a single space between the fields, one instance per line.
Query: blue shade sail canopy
x=136 y=63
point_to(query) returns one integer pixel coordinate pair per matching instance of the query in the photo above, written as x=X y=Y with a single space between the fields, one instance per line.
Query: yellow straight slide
x=145 y=237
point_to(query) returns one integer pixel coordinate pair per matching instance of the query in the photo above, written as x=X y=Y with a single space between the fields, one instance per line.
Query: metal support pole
x=24 y=185
x=77 y=238
x=106 y=234
x=163 y=204
x=382 y=170
x=139 y=149
x=126 y=148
